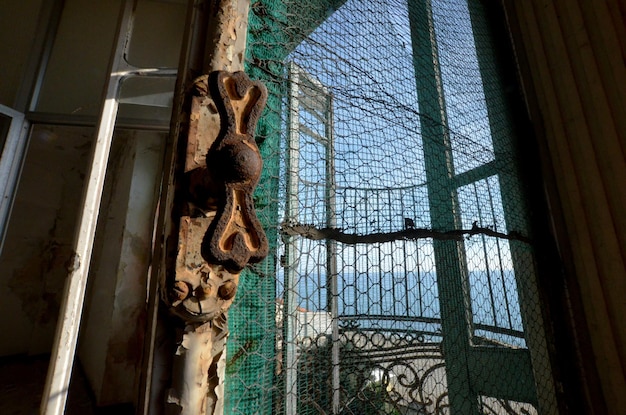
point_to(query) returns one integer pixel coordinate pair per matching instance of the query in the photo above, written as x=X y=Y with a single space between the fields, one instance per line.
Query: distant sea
x=409 y=302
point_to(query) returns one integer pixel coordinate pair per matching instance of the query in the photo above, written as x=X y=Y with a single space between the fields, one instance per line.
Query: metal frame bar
x=92 y=121
x=455 y=306
x=66 y=338
x=291 y=249
x=48 y=23
x=11 y=162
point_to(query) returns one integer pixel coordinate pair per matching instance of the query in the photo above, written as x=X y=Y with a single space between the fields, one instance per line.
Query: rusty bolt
x=206 y=291
x=201 y=86
x=180 y=291
x=227 y=290
x=238 y=162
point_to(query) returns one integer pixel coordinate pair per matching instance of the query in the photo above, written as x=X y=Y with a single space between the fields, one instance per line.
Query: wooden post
x=210 y=228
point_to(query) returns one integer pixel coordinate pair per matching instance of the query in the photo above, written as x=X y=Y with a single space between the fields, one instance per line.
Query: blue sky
x=379 y=163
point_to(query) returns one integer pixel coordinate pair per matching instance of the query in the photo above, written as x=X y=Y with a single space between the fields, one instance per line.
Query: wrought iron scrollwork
x=383 y=373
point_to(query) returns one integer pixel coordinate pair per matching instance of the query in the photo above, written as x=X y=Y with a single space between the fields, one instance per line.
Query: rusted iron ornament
x=220 y=233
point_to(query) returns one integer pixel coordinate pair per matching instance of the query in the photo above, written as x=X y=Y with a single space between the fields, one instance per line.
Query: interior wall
x=572 y=55
x=79 y=60
x=115 y=314
x=40 y=237
x=18 y=25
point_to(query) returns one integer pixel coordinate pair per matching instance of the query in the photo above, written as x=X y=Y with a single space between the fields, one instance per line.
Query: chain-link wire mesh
x=401 y=279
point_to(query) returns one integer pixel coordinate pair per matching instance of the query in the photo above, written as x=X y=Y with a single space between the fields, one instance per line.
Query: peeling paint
x=216 y=231
x=73 y=262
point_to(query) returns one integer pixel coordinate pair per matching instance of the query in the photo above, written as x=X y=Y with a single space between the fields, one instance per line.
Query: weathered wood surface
x=215 y=231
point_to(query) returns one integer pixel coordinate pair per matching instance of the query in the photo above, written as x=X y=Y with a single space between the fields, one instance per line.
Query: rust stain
x=39 y=284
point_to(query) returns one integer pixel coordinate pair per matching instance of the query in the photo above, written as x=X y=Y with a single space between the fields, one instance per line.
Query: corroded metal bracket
x=236 y=236
x=209 y=224
x=219 y=232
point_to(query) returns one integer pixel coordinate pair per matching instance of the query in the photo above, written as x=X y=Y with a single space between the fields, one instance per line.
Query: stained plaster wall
x=114 y=324
x=39 y=238
x=18 y=24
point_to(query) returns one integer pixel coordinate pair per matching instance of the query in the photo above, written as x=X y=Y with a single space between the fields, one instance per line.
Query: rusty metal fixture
x=180 y=291
x=227 y=290
x=236 y=236
x=219 y=232
x=210 y=228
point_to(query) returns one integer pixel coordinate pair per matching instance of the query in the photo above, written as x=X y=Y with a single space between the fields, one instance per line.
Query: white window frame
x=11 y=161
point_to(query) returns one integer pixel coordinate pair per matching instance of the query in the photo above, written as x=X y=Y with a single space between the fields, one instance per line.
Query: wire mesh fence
x=401 y=279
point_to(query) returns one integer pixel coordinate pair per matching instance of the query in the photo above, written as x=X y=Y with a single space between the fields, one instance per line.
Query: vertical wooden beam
x=210 y=227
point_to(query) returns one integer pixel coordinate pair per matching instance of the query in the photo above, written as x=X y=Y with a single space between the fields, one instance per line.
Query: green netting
x=251 y=363
x=401 y=277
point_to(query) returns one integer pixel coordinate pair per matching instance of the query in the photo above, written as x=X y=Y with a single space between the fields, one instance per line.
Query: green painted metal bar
x=444 y=210
x=502 y=373
x=478 y=173
x=495 y=83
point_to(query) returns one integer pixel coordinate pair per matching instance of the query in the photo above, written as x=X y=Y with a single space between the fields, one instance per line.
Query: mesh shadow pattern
x=387 y=121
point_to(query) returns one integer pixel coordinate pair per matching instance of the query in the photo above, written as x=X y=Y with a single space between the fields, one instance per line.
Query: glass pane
x=147 y=98
x=470 y=133
x=79 y=62
x=18 y=24
x=77 y=71
x=157 y=33
x=40 y=235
